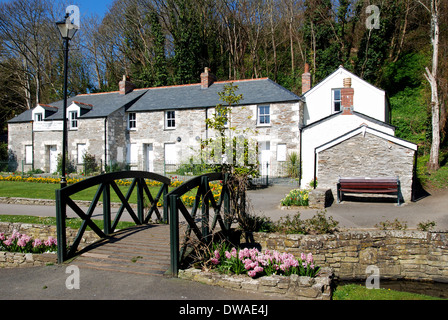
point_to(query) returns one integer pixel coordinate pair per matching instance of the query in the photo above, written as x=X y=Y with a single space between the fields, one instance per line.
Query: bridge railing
x=204 y=199
x=105 y=182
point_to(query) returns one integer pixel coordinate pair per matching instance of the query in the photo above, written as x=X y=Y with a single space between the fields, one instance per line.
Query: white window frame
x=334 y=101
x=81 y=150
x=132 y=121
x=73 y=120
x=264 y=115
x=38 y=117
x=132 y=154
x=170 y=122
x=28 y=154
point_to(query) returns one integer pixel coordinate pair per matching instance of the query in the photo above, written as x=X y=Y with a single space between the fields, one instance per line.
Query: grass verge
x=74 y=223
x=360 y=292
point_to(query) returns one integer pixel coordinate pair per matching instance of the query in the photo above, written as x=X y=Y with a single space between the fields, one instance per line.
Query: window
x=132 y=153
x=28 y=154
x=170 y=120
x=73 y=118
x=82 y=149
x=264 y=117
x=336 y=100
x=38 y=117
x=281 y=152
x=132 y=121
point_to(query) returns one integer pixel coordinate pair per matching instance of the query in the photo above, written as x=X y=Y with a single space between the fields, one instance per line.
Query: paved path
x=357 y=214
x=141 y=250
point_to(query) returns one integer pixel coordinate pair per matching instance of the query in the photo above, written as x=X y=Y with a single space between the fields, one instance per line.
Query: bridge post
x=174 y=235
x=205 y=208
x=106 y=209
x=140 y=202
x=60 y=226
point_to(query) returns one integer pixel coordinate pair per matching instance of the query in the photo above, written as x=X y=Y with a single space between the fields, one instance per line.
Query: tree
x=238 y=157
x=432 y=78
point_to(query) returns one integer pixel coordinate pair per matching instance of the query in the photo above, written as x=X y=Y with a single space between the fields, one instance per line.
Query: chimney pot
x=125 y=86
x=207 y=78
x=306 y=79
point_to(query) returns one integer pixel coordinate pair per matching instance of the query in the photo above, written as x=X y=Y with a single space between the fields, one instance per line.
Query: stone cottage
x=340 y=127
x=345 y=132
x=148 y=129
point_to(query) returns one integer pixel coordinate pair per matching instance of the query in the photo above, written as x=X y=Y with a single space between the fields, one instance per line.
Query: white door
x=265 y=157
x=53 y=156
x=149 y=157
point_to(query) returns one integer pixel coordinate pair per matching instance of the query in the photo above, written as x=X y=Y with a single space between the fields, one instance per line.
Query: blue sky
x=87 y=7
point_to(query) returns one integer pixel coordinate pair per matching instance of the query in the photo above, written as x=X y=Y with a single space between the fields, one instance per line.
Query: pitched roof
x=359 y=114
x=334 y=74
x=254 y=91
x=363 y=129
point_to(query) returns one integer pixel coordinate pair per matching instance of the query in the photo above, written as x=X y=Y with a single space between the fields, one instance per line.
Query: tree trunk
x=431 y=76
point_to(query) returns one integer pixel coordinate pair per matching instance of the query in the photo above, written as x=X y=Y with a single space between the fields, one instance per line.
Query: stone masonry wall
x=366 y=156
x=19 y=135
x=410 y=255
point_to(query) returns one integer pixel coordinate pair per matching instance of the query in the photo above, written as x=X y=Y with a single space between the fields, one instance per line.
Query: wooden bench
x=369 y=185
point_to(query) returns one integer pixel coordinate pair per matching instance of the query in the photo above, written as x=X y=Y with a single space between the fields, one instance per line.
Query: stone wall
x=292 y=287
x=366 y=156
x=411 y=255
x=19 y=136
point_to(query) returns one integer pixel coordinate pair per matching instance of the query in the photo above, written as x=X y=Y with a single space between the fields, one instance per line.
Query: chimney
x=125 y=86
x=347 y=93
x=306 y=79
x=207 y=78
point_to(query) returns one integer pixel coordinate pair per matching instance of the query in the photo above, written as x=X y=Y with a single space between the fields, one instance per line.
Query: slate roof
x=255 y=91
x=192 y=96
x=100 y=104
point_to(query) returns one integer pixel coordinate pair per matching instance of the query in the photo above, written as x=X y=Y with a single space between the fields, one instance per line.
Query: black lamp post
x=67 y=30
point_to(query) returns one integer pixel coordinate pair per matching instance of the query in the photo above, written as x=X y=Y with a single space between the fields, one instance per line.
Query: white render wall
x=326 y=131
x=368 y=99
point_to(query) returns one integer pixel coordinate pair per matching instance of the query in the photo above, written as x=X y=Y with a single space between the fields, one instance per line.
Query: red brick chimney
x=347 y=93
x=306 y=79
x=207 y=78
x=125 y=86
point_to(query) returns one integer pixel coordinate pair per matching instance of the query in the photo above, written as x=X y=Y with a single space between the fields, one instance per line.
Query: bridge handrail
x=203 y=198
x=105 y=182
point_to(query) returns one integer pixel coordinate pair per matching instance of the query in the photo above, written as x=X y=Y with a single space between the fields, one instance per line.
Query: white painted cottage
x=337 y=112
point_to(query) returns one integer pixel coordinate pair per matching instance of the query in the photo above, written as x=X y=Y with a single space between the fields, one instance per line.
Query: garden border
x=289 y=287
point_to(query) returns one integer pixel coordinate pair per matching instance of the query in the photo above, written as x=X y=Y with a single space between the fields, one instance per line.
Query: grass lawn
x=360 y=292
x=16 y=189
x=74 y=223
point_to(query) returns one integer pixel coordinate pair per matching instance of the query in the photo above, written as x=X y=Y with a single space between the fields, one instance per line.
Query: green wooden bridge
x=146 y=248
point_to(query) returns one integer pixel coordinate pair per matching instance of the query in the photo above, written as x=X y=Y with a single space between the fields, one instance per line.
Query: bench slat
x=384 y=185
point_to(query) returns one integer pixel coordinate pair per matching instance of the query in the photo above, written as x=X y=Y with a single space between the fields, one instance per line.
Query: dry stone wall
x=399 y=254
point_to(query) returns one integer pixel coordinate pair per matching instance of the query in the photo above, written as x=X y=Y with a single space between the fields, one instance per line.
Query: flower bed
x=289 y=287
x=296 y=197
x=25 y=244
x=21 y=250
x=255 y=263
x=269 y=272
x=121 y=182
